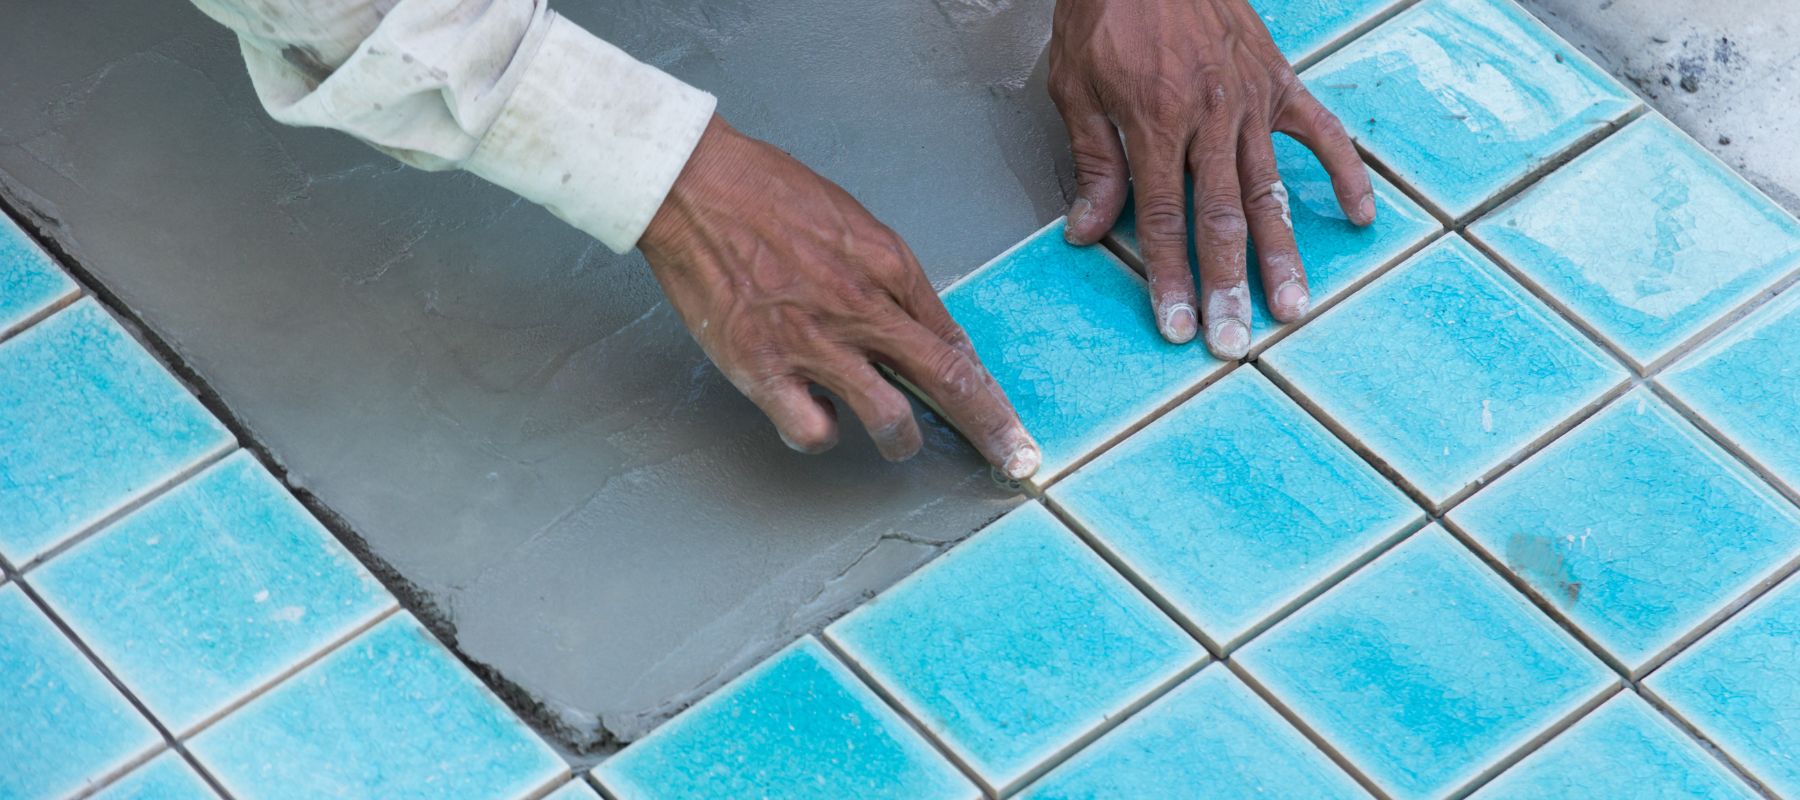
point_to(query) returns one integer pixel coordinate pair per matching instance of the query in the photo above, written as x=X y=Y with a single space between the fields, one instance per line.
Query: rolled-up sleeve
x=505 y=89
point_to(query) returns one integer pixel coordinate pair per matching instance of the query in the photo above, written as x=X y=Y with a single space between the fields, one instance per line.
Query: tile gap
x=1293 y=719
x=41 y=314
x=1536 y=741
x=1337 y=43
x=202 y=770
x=1719 y=754
x=155 y=492
x=1148 y=418
x=549 y=785
x=587 y=777
x=1730 y=318
x=1712 y=622
x=1556 y=304
x=1275 y=336
x=1555 y=161
x=1356 y=446
x=1538 y=443
x=1706 y=427
x=1380 y=167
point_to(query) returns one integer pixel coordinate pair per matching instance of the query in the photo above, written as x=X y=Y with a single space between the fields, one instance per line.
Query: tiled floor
x=1510 y=514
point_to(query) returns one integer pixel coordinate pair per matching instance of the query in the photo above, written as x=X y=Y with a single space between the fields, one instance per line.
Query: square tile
x=1444 y=368
x=65 y=726
x=1738 y=686
x=1015 y=644
x=1424 y=667
x=1302 y=28
x=1673 y=242
x=1463 y=98
x=165 y=777
x=1235 y=505
x=92 y=422
x=441 y=732
x=574 y=790
x=1636 y=527
x=29 y=280
x=210 y=591
x=1210 y=738
x=799 y=725
x=1744 y=382
x=1067 y=332
x=1623 y=749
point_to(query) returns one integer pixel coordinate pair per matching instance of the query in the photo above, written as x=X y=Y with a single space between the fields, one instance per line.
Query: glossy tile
x=165 y=777
x=1209 y=739
x=1674 y=241
x=210 y=591
x=1635 y=526
x=1739 y=687
x=1424 y=667
x=63 y=726
x=1444 y=367
x=574 y=790
x=1067 y=332
x=1301 y=28
x=1463 y=98
x=1624 y=749
x=1235 y=505
x=29 y=280
x=1744 y=383
x=77 y=393
x=436 y=731
x=1015 y=644
x=799 y=725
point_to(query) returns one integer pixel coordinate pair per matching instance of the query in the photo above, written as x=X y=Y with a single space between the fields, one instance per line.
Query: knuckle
x=954 y=375
x=1162 y=216
x=808 y=439
x=1222 y=223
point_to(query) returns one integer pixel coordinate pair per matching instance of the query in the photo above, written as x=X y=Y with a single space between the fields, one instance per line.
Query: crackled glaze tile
x=62 y=724
x=799 y=725
x=1744 y=384
x=573 y=790
x=1444 y=367
x=1635 y=526
x=1462 y=98
x=210 y=591
x=1067 y=332
x=1624 y=749
x=1301 y=28
x=436 y=730
x=1647 y=237
x=1209 y=739
x=29 y=281
x=1739 y=686
x=1015 y=644
x=1235 y=505
x=1424 y=667
x=165 y=777
x=90 y=422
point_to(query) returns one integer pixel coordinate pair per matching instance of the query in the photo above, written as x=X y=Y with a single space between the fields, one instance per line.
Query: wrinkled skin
x=1195 y=87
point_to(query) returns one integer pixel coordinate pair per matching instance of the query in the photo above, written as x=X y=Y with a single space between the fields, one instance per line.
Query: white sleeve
x=506 y=89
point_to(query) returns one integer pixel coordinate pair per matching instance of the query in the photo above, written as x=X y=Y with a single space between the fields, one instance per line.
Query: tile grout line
x=1536 y=741
x=1357 y=31
x=1718 y=437
x=1718 y=753
x=157 y=490
x=1305 y=729
x=50 y=310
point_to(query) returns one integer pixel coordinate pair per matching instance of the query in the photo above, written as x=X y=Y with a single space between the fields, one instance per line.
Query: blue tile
x=1302 y=28
x=1444 y=367
x=1635 y=526
x=62 y=724
x=1622 y=749
x=1235 y=505
x=1744 y=383
x=1067 y=332
x=29 y=281
x=1739 y=687
x=391 y=714
x=1209 y=739
x=210 y=591
x=1673 y=243
x=93 y=422
x=573 y=790
x=1336 y=253
x=1462 y=98
x=165 y=777
x=1015 y=644
x=797 y=726
x=1424 y=667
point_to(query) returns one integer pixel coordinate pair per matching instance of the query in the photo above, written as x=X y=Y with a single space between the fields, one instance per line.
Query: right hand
x=786 y=282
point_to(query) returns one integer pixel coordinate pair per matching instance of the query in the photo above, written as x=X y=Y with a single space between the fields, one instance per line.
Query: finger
x=1272 y=228
x=1219 y=233
x=884 y=412
x=806 y=423
x=1101 y=184
x=1157 y=173
x=1307 y=120
x=957 y=384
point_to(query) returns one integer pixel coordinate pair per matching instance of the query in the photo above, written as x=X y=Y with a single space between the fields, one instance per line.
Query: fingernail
x=1292 y=298
x=1179 y=323
x=1023 y=462
x=1078 y=213
x=1230 y=339
x=1366 y=210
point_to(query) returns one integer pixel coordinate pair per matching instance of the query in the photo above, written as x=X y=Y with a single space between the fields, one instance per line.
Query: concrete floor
x=503 y=415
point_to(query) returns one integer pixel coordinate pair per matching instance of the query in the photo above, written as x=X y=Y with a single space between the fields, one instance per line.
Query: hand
x=786 y=282
x=1196 y=86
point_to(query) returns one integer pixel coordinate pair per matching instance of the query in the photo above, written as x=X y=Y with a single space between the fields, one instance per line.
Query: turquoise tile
x=1301 y=28
x=1674 y=242
x=573 y=790
x=29 y=281
x=391 y=714
x=1623 y=749
x=1744 y=383
x=1235 y=505
x=1444 y=367
x=1739 y=687
x=92 y=422
x=1336 y=253
x=1209 y=739
x=1635 y=526
x=165 y=777
x=1463 y=98
x=1067 y=332
x=62 y=724
x=798 y=726
x=210 y=591
x=1015 y=644
x=1425 y=667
